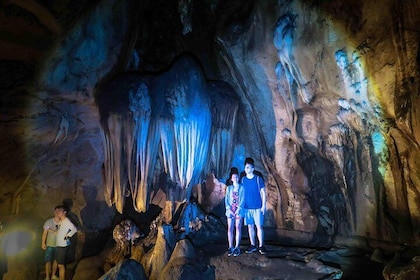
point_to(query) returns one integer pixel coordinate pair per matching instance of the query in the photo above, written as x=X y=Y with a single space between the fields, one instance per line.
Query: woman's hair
x=233 y=170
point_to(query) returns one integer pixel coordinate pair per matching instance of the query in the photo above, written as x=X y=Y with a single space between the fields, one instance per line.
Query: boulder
x=126 y=270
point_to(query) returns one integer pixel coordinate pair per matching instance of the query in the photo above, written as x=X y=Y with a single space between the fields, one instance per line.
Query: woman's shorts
x=254 y=217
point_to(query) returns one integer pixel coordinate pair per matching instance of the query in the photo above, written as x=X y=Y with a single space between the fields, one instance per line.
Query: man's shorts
x=49 y=254
x=254 y=217
x=61 y=255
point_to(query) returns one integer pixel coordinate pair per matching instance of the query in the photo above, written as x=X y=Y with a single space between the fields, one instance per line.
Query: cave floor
x=287 y=263
x=284 y=262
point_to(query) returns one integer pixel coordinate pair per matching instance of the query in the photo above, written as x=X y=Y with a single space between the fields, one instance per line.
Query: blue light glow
x=378 y=141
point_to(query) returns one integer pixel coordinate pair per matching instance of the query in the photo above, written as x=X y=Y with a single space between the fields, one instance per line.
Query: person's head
x=249 y=168
x=234 y=175
x=249 y=160
x=56 y=211
x=60 y=211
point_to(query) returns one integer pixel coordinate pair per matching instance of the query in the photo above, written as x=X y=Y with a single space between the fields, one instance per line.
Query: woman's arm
x=228 y=203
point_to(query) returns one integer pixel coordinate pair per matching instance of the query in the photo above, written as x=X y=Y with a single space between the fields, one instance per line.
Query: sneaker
x=55 y=278
x=236 y=252
x=251 y=249
x=230 y=251
x=262 y=250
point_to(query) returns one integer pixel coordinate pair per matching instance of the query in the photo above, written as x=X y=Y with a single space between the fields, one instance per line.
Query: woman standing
x=234 y=201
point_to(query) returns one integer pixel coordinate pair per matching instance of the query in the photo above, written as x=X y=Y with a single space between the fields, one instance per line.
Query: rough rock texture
x=183 y=264
x=126 y=269
x=326 y=94
x=91 y=267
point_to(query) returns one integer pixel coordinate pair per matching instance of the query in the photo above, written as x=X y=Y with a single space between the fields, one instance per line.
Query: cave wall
x=326 y=139
x=327 y=94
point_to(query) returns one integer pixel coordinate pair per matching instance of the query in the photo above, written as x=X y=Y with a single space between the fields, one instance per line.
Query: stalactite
x=288 y=76
x=167 y=139
x=283 y=41
x=114 y=180
x=222 y=150
x=107 y=176
x=189 y=105
x=130 y=141
x=140 y=107
x=224 y=111
x=192 y=137
x=185 y=9
x=147 y=167
x=178 y=118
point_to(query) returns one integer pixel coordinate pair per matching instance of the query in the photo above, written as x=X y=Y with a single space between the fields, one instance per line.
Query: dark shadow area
x=71 y=252
x=141 y=220
x=97 y=218
x=355 y=263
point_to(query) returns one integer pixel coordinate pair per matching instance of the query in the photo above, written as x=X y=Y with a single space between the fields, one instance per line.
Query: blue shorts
x=61 y=255
x=49 y=255
x=254 y=217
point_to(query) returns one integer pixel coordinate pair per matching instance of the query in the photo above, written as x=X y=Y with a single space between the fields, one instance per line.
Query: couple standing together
x=245 y=198
x=56 y=241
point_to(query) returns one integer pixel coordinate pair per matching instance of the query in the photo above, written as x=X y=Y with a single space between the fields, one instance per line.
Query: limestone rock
x=183 y=265
x=126 y=270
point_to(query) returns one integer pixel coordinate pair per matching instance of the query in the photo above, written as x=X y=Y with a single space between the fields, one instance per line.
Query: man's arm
x=44 y=239
x=263 y=199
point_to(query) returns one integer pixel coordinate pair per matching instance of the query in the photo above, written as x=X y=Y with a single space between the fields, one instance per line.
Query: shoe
x=262 y=250
x=251 y=249
x=55 y=278
x=230 y=251
x=236 y=252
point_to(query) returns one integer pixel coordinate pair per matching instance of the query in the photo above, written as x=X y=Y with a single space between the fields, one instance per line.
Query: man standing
x=66 y=230
x=49 y=237
x=255 y=205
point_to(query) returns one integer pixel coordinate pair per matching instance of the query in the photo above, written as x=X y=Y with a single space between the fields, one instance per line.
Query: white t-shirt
x=66 y=228
x=52 y=228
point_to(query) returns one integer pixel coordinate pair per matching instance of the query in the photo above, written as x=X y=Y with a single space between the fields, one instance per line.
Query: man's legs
x=54 y=269
x=260 y=235
x=62 y=271
x=251 y=233
x=61 y=261
x=47 y=270
x=249 y=221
